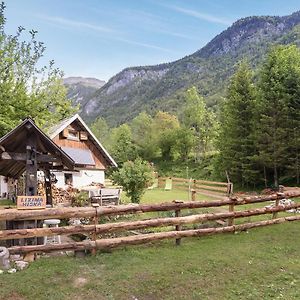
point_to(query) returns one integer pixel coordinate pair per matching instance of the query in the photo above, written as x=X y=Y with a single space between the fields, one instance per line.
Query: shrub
x=134 y=176
x=80 y=199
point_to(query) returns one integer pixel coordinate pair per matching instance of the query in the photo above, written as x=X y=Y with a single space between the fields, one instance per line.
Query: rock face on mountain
x=158 y=87
x=80 y=89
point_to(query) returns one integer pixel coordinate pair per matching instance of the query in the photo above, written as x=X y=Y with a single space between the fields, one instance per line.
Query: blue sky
x=98 y=38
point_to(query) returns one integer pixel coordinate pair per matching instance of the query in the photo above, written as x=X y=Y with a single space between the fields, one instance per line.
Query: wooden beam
x=13 y=156
x=146 y=238
x=22 y=157
x=151 y=237
x=85 y=212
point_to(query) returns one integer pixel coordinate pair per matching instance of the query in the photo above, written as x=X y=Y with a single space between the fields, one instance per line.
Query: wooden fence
x=97 y=213
x=204 y=187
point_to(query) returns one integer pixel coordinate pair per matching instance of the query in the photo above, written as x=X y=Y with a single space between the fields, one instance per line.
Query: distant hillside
x=158 y=87
x=80 y=89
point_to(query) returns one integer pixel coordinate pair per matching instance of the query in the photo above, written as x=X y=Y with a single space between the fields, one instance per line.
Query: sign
x=31 y=202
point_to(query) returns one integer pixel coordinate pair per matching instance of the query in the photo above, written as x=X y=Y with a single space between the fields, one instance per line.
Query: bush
x=134 y=176
x=81 y=199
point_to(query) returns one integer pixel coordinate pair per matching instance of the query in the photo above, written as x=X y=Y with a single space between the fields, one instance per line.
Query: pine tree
x=278 y=110
x=235 y=142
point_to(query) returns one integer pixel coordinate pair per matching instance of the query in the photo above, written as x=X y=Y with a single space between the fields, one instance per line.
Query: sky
x=99 y=38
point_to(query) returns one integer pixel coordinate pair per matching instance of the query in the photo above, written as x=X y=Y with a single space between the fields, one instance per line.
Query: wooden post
x=193 y=195
x=178 y=227
x=229 y=189
x=231 y=209
x=48 y=187
x=31 y=171
x=159 y=182
x=96 y=222
x=275 y=214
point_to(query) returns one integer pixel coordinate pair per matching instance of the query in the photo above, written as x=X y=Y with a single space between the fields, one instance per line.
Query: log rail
x=177 y=221
x=204 y=187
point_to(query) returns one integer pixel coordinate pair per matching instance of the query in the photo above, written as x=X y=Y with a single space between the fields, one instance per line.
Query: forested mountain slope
x=159 y=87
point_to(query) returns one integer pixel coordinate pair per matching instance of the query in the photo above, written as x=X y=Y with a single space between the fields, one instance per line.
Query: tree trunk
x=265 y=177
x=276 y=183
x=297 y=169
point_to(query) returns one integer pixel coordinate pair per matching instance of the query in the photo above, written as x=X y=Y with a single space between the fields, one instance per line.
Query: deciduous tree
x=25 y=88
x=134 y=177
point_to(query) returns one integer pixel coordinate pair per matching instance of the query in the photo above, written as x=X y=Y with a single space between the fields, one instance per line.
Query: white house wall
x=81 y=178
x=3 y=186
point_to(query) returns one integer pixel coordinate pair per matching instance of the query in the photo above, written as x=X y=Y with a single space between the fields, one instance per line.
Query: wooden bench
x=106 y=197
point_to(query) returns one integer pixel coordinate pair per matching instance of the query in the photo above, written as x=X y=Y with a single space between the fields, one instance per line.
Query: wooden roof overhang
x=14 y=144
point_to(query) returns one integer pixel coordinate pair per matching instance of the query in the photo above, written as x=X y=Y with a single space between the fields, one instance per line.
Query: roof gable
x=15 y=141
x=56 y=130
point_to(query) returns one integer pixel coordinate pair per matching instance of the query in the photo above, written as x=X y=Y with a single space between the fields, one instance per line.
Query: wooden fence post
x=159 y=182
x=229 y=189
x=193 y=195
x=96 y=222
x=178 y=227
x=275 y=214
x=231 y=209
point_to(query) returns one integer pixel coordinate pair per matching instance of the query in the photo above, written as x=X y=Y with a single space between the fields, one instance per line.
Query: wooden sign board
x=31 y=202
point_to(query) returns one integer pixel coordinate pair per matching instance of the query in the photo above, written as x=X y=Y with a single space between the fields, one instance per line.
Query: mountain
x=159 y=87
x=80 y=89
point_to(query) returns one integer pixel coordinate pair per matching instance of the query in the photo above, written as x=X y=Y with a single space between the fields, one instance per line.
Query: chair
x=53 y=239
x=168 y=186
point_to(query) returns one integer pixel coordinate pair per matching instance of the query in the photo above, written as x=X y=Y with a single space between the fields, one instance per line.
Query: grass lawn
x=160 y=195
x=261 y=264
x=6 y=202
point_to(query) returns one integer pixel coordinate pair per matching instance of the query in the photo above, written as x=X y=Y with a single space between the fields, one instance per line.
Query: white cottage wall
x=3 y=187
x=80 y=178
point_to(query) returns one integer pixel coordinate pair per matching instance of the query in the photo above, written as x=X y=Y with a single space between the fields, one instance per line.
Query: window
x=68 y=179
x=73 y=134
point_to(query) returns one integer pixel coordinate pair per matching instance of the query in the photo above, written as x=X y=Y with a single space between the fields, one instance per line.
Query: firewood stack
x=59 y=195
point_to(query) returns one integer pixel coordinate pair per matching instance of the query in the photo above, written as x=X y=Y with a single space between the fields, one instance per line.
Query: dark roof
x=16 y=141
x=80 y=156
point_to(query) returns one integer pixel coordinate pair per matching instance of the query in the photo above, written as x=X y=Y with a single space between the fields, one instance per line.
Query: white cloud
x=145 y=45
x=113 y=34
x=199 y=15
x=78 y=24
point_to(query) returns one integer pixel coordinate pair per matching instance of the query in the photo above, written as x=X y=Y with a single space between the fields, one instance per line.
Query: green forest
x=254 y=135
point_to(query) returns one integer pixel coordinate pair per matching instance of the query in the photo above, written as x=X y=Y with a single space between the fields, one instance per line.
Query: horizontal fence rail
x=102 y=244
x=205 y=187
x=87 y=212
x=97 y=213
x=134 y=225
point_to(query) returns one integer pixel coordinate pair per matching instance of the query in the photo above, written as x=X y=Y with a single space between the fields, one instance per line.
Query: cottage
x=91 y=159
